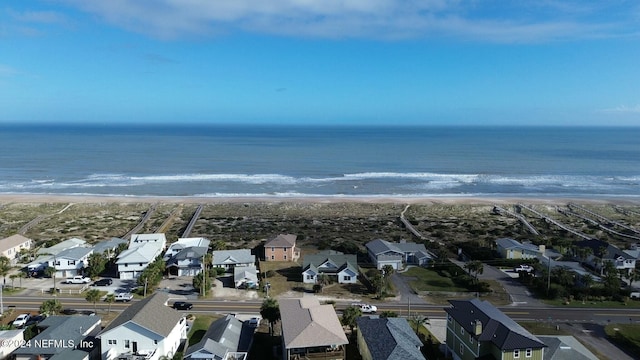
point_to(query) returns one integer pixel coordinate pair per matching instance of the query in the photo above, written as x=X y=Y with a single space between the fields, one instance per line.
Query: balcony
x=337 y=353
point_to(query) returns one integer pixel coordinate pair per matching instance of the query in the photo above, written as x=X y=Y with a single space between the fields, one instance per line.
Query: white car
x=125 y=297
x=366 y=308
x=78 y=280
x=21 y=320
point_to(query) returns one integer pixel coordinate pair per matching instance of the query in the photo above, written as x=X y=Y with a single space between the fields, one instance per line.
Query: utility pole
x=204 y=277
x=145 y=286
x=548 y=274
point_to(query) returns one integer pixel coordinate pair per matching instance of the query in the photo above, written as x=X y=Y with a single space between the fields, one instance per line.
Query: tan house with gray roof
x=11 y=246
x=281 y=248
x=147 y=328
x=311 y=330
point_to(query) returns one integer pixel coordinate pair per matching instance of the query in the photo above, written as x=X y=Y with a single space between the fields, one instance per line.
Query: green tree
x=93 y=296
x=110 y=299
x=201 y=286
x=388 y=314
x=97 y=264
x=151 y=276
x=418 y=320
x=475 y=267
x=51 y=307
x=5 y=266
x=270 y=310
x=349 y=316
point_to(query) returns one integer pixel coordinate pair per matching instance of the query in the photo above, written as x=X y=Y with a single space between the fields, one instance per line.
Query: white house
x=70 y=262
x=143 y=250
x=147 y=328
x=187 y=262
x=10 y=340
x=334 y=264
x=63 y=245
x=11 y=246
x=227 y=338
x=184 y=243
x=383 y=253
x=245 y=276
x=228 y=259
x=109 y=247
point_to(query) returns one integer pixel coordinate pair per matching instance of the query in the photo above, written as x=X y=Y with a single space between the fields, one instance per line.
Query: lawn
x=594 y=304
x=429 y=280
x=282 y=276
x=626 y=335
x=199 y=328
x=542 y=328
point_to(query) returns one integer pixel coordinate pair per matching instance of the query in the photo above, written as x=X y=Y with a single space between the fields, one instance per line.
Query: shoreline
x=453 y=200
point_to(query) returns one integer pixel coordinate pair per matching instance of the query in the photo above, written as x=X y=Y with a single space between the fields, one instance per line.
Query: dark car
x=103 y=282
x=181 y=305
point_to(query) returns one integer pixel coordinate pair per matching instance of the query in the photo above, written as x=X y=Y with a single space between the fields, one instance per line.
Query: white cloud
x=624 y=109
x=379 y=19
x=7 y=71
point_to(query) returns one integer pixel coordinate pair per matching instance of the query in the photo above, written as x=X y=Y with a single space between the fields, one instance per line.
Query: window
x=449 y=318
x=461 y=349
x=461 y=330
x=155 y=342
x=71 y=262
x=516 y=354
x=126 y=344
x=112 y=342
x=272 y=257
x=347 y=278
x=273 y=249
x=284 y=248
x=528 y=353
x=285 y=257
x=471 y=338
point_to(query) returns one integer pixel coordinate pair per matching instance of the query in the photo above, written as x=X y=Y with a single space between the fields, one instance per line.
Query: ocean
x=337 y=161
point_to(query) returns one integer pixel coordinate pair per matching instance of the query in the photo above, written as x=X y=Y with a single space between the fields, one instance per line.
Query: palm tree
x=270 y=311
x=111 y=298
x=51 y=307
x=5 y=266
x=418 y=320
x=349 y=316
x=93 y=296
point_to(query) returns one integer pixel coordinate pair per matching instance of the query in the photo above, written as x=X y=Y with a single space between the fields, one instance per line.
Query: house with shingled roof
x=63 y=337
x=339 y=267
x=143 y=250
x=281 y=248
x=387 y=339
x=226 y=338
x=310 y=330
x=229 y=259
x=478 y=330
x=147 y=329
x=12 y=245
x=382 y=252
x=513 y=249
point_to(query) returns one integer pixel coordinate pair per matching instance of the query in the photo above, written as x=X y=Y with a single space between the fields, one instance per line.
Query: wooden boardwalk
x=192 y=222
x=413 y=230
x=144 y=219
x=499 y=210
x=556 y=223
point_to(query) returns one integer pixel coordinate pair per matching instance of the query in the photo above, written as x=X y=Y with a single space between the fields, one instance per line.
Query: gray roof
x=341 y=261
x=380 y=246
x=390 y=338
x=508 y=243
x=565 y=348
x=241 y=256
x=68 y=328
x=306 y=323
x=497 y=327
x=282 y=240
x=151 y=313
x=75 y=253
x=191 y=252
x=227 y=334
x=112 y=243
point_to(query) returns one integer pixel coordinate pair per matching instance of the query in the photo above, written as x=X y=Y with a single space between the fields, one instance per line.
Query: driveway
x=404 y=292
x=518 y=293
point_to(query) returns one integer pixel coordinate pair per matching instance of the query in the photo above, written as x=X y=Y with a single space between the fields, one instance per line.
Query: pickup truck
x=124 y=297
x=78 y=280
x=635 y=295
x=523 y=268
x=366 y=308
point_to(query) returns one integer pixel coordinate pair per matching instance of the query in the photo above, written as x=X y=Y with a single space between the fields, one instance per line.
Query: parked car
x=69 y=311
x=366 y=308
x=21 y=320
x=254 y=321
x=35 y=320
x=124 y=297
x=103 y=282
x=635 y=295
x=78 y=280
x=181 y=305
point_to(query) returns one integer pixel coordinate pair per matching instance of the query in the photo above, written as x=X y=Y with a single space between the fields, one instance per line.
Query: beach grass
x=429 y=280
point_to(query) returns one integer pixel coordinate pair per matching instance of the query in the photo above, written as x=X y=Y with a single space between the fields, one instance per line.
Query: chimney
x=477 y=327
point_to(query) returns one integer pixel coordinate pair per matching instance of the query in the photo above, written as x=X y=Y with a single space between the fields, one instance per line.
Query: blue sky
x=431 y=62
